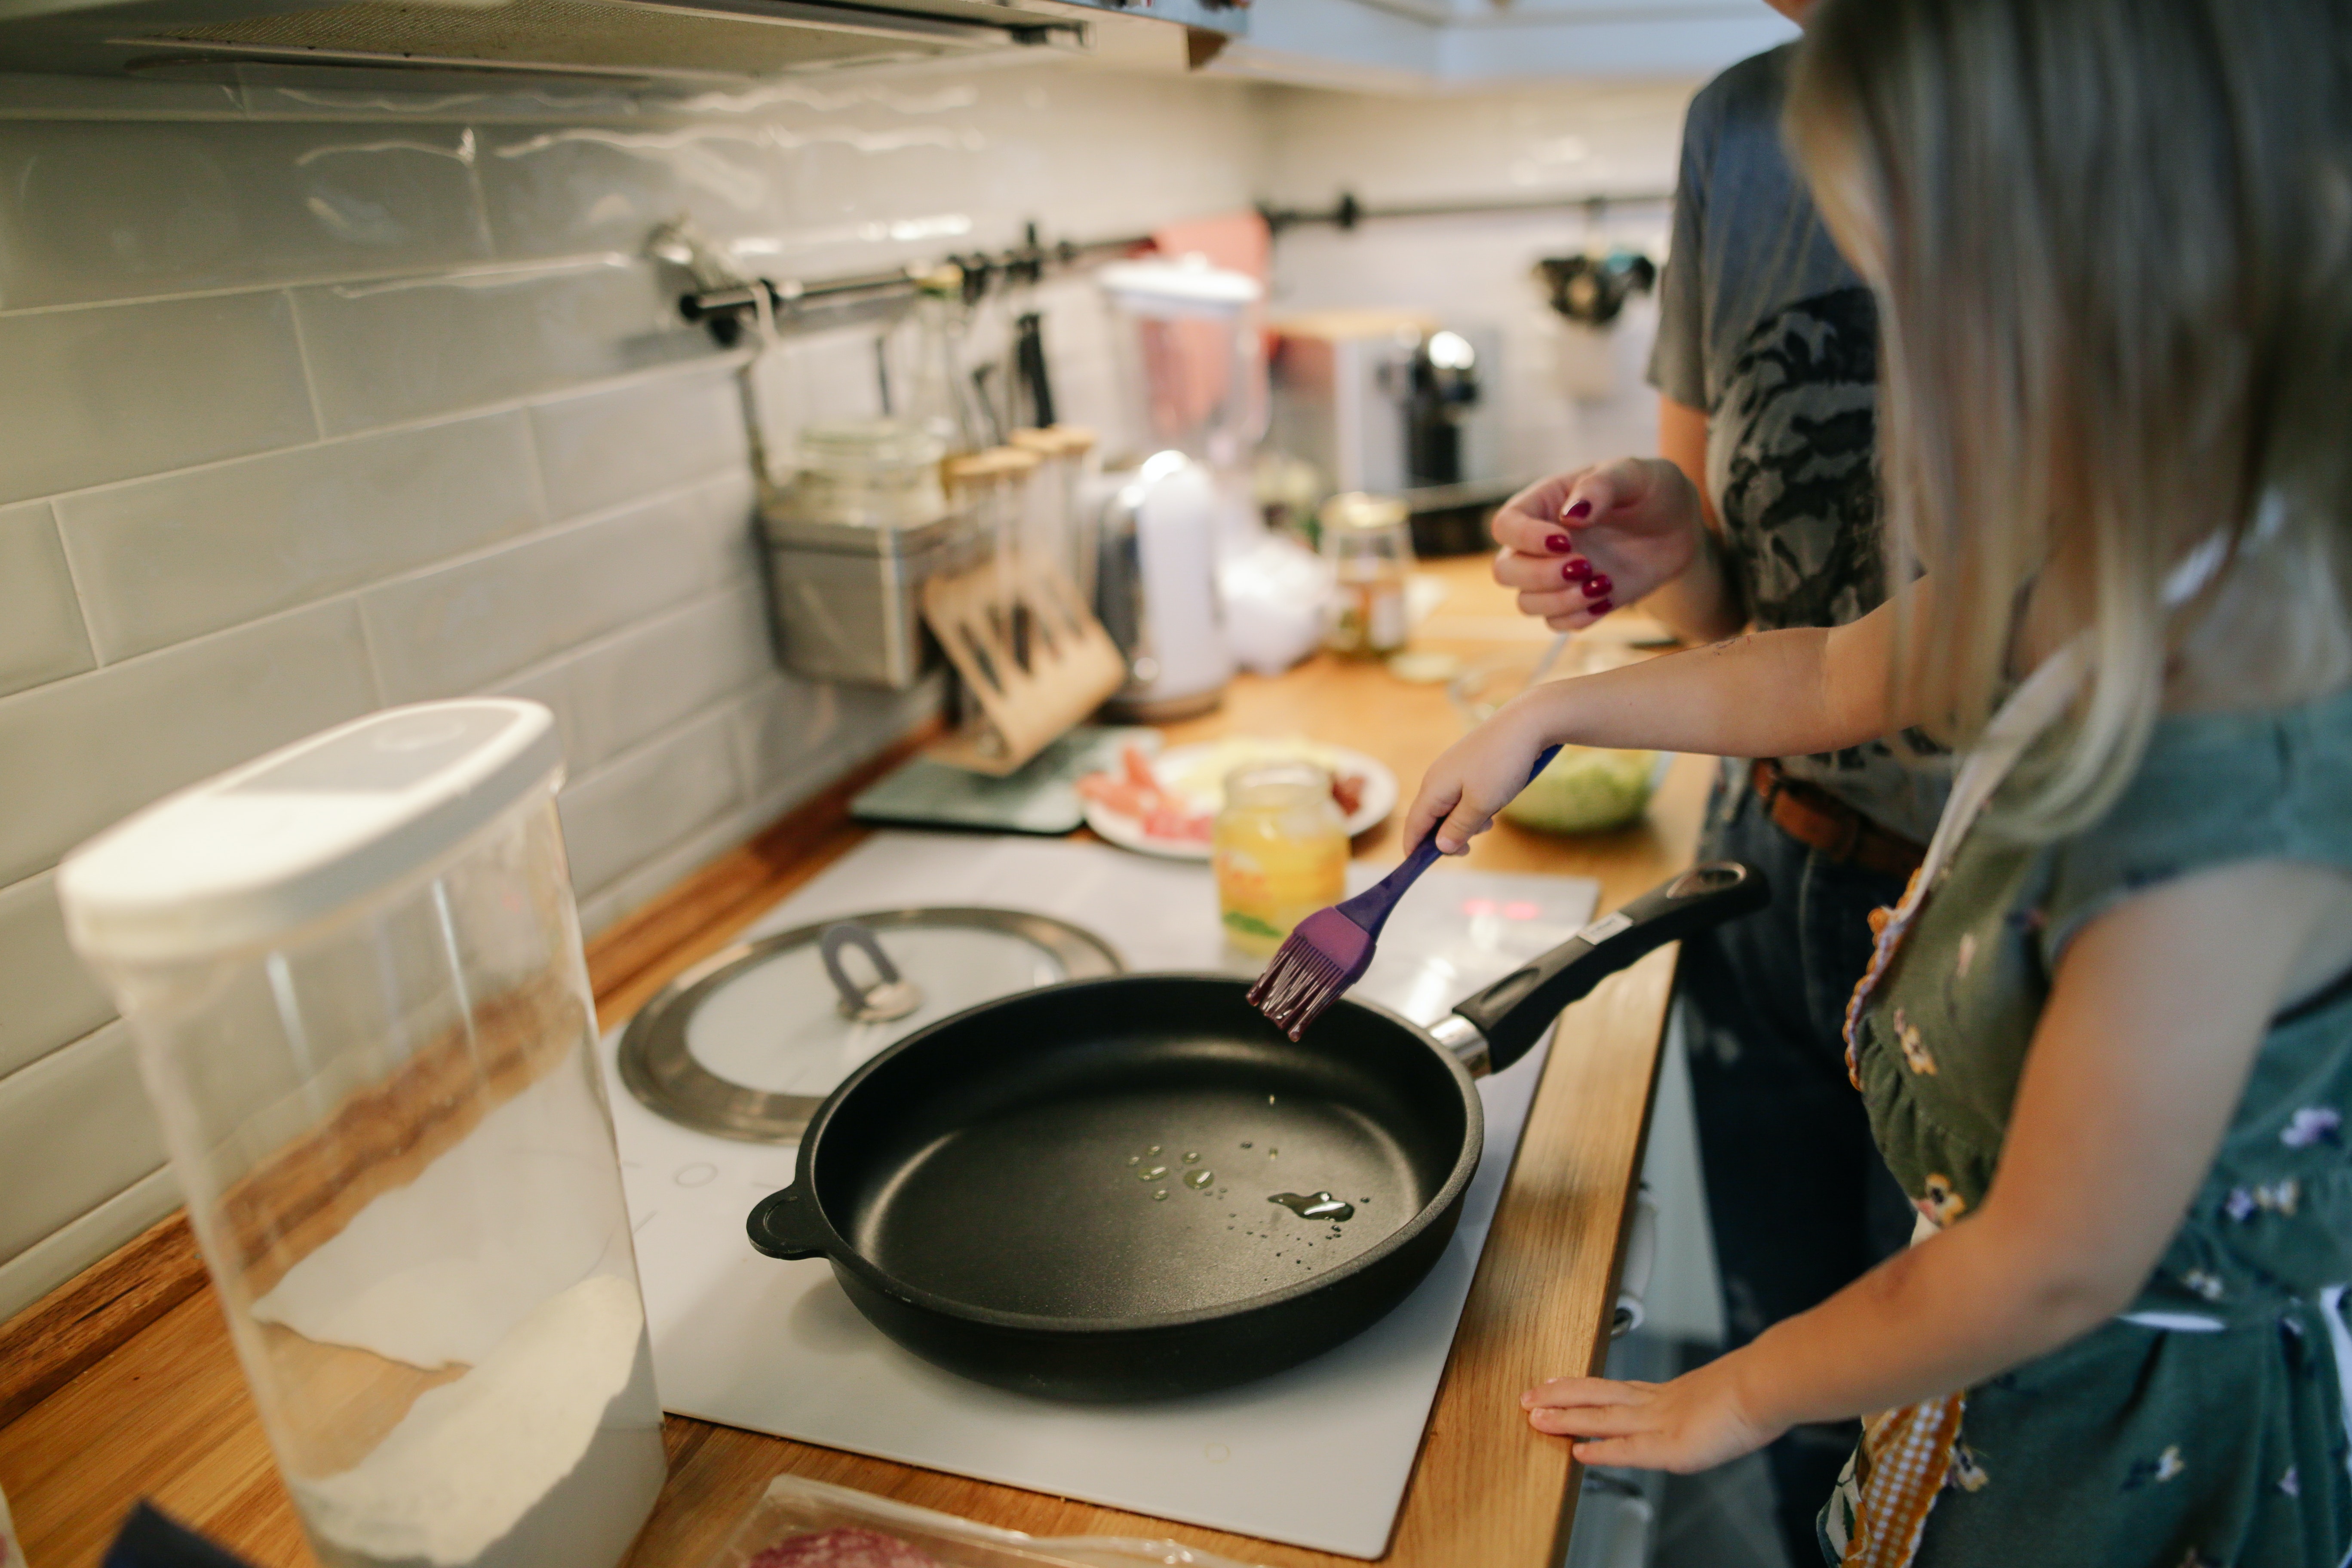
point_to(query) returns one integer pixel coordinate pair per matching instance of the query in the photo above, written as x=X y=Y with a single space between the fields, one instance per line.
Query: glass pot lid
x=747 y=1043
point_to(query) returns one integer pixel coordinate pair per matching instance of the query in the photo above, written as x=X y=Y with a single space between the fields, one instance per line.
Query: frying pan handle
x=784 y=1225
x=1514 y=1012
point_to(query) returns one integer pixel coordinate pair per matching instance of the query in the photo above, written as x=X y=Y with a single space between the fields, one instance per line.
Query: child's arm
x=1766 y=694
x=2135 y=1068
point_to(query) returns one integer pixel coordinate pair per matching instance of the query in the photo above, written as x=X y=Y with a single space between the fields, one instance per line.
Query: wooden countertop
x=123 y=1384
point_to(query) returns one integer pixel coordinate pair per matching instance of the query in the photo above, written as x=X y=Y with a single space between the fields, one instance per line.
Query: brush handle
x=1371 y=908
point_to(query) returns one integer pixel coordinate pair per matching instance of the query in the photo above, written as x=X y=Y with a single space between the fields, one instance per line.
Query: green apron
x=2206 y=1425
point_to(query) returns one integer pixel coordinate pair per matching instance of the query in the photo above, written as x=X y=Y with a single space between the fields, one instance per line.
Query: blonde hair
x=2112 y=243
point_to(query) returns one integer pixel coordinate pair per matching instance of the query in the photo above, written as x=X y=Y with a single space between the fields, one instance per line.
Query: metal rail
x=1348 y=212
x=831 y=301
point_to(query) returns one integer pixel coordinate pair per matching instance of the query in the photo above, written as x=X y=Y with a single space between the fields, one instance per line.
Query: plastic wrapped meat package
x=800 y=1523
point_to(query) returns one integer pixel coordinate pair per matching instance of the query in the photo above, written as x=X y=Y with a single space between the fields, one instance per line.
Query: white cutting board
x=1317 y=1456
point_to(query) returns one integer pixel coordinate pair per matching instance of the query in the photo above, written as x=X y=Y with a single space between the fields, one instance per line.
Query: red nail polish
x=1599 y=608
x=1581 y=509
x=1558 y=543
x=1577 y=571
x=1597 y=585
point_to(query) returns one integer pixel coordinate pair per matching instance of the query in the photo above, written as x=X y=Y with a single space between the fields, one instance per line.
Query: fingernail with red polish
x=1581 y=509
x=1577 y=571
x=1558 y=543
x=1597 y=585
x=1599 y=608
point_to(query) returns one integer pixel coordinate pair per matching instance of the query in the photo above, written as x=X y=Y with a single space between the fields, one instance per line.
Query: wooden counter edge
x=49 y=1343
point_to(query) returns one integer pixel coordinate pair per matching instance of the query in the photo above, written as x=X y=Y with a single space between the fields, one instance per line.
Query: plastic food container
x=808 y=1524
x=353 y=973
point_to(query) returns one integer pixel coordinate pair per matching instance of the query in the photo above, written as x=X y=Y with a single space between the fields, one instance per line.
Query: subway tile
x=41 y=633
x=463 y=626
x=51 y=996
x=633 y=687
x=384 y=353
x=795 y=735
x=576 y=189
x=75 y=1129
x=636 y=807
x=109 y=394
x=171 y=558
x=75 y=1245
x=606 y=447
x=77 y=755
x=107 y=210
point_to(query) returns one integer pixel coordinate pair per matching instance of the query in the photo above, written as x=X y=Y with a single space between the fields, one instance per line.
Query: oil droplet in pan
x=1320 y=1205
x=1152 y=1174
x=1161 y=1196
x=1199 y=1180
x=1192 y=1156
x=1135 y=1159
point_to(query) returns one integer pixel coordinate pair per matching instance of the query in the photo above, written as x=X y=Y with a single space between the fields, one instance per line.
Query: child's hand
x=1578 y=544
x=1474 y=778
x=1694 y=1422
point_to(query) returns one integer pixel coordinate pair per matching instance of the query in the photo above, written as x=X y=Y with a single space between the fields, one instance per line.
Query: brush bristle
x=1325 y=954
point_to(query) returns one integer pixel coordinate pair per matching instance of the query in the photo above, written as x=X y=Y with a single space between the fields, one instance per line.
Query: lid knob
x=890 y=997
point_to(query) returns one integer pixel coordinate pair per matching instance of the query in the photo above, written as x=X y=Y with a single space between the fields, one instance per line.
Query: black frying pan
x=985 y=1188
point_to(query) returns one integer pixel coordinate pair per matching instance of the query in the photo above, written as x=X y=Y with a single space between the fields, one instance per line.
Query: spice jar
x=1369 y=542
x=1280 y=849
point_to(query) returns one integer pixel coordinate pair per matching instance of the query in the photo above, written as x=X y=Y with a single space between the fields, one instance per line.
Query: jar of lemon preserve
x=1280 y=847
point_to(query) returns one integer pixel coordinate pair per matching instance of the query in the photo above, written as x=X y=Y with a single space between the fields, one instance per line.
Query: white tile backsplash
x=386 y=351
x=90 y=395
x=167 y=559
x=41 y=633
x=649 y=800
x=79 y=1132
x=318 y=400
x=133 y=208
x=50 y=996
x=78 y=754
x=454 y=628
x=609 y=447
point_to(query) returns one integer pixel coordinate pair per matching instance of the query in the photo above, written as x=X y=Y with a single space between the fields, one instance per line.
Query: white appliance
x=1317 y=1456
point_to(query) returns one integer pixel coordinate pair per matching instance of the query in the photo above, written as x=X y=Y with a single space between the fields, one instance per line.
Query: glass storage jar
x=872 y=473
x=1280 y=852
x=1369 y=542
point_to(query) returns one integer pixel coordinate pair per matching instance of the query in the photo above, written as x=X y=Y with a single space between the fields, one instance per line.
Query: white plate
x=1172 y=767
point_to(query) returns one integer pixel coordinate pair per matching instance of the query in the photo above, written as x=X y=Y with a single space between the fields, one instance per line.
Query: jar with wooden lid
x=1059 y=530
x=1368 y=540
x=1279 y=847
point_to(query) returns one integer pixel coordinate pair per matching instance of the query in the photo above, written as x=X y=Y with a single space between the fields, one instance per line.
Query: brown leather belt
x=1818 y=819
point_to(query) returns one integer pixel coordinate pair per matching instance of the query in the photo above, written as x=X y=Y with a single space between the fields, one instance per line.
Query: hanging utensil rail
x=1347 y=211
x=725 y=311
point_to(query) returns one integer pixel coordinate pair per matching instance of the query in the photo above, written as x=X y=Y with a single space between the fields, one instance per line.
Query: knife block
x=1033 y=656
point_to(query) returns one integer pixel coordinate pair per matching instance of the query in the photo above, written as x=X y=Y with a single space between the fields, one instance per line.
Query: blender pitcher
x=355 y=976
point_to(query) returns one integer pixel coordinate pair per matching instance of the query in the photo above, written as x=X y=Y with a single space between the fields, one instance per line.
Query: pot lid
x=747 y=1043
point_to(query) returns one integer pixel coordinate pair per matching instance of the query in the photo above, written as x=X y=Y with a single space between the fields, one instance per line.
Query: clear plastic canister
x=355 y=974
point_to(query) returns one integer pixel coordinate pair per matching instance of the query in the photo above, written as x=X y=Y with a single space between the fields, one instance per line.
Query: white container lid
x=1189 y=286
x=312 y=828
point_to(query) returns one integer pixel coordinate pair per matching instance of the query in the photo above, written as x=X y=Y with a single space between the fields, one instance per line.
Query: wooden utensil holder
x=987 y=618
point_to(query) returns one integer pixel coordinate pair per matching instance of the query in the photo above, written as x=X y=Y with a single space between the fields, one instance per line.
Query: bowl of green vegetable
x=1584 y=789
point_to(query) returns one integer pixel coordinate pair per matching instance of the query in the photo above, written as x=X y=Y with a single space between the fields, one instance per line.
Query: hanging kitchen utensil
x=801 y=1000
x=1137 y=1187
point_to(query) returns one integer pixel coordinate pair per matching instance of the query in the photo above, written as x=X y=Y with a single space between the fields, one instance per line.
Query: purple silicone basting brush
x=1329 y=950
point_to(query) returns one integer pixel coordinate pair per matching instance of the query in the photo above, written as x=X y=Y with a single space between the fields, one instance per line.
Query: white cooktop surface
x=1317 y=1456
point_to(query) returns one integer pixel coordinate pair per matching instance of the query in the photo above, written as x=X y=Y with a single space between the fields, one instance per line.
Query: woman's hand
x=1694 y=1422
x=1578 y=544
x=1478 y=776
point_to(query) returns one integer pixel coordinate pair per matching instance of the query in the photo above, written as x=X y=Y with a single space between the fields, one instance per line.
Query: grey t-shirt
x=1763 y=325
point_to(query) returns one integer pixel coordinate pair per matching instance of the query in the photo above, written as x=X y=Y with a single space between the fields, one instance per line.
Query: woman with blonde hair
x=2107 y=1039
